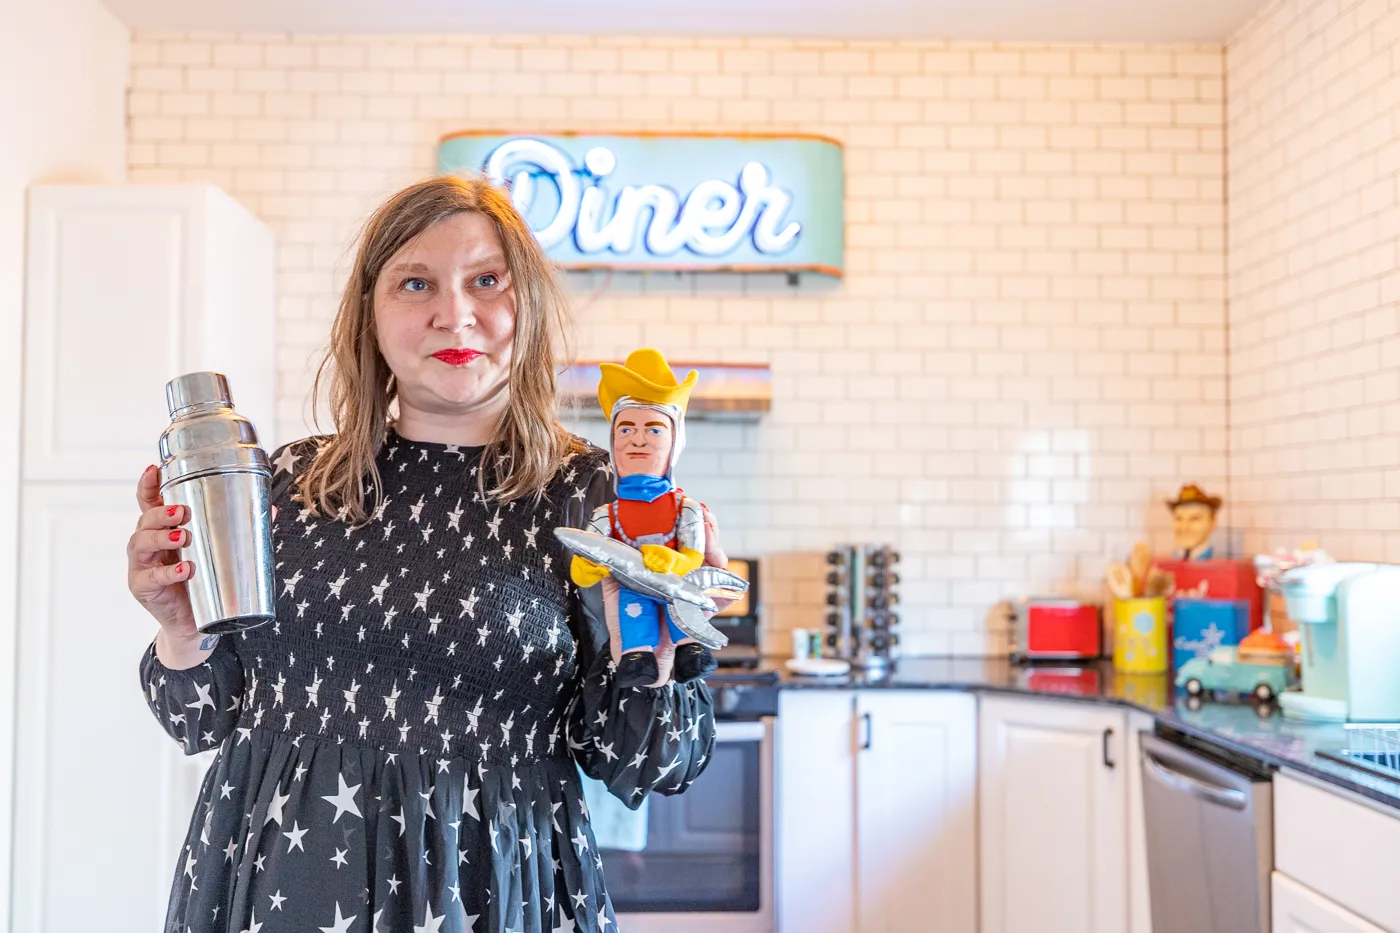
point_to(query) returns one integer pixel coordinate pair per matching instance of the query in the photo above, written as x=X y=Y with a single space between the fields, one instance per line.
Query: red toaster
x=1057 y=629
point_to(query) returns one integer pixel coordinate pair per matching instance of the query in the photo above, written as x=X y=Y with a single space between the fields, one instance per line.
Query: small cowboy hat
x=1191 y=494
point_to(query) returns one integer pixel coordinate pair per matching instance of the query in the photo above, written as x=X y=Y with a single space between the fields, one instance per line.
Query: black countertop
x=1262 y=734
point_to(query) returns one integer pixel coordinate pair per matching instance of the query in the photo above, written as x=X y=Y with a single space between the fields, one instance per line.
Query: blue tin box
x=1200 y=625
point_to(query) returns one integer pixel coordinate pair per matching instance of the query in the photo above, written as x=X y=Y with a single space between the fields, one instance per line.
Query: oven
x=707 y=866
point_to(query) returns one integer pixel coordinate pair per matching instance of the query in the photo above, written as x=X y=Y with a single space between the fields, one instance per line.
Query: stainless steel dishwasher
x=1209 y=826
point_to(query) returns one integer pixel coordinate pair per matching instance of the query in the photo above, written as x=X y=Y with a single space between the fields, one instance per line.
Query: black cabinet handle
x=1107 y=740
x=869 y=732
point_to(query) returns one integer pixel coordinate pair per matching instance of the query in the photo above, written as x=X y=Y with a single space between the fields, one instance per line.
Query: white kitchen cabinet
x=814 y=805
x=1299 y=909
x=877 y=812
x=1053 y=779
x=1340 y=845
x=916 y=812
x=127 y=287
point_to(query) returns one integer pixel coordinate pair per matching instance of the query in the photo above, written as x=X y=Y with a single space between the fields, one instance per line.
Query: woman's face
x=444 y=315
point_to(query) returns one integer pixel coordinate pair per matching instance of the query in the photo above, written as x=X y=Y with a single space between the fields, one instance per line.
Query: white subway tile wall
x=1314 y=277
x=1026 y=356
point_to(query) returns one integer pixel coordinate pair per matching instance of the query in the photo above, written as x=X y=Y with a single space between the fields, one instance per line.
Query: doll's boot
x=693 y=660
x=637 y=669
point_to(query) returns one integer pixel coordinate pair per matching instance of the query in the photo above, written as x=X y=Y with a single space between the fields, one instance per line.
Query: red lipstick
x=457 y=357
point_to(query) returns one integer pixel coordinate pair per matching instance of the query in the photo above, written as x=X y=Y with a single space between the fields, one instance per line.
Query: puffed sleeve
x=199 y=707
x=633 y=740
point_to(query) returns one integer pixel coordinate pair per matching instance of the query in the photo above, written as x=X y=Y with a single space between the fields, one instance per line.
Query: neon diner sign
x=679 y=202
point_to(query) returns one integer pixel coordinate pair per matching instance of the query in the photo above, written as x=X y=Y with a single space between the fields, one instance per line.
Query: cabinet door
x=129 y=286
x=1297 y=909
x=815 y=808
x=1053 y=806
x=98 y=783
x=916 y=812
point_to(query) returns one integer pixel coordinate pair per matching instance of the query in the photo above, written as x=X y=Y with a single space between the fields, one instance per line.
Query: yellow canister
x=1140 y=636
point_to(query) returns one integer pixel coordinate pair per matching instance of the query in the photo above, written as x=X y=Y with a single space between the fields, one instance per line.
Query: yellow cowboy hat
x=645 y=377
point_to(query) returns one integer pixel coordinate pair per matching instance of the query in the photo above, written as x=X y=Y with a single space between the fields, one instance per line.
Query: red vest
x=659 y=516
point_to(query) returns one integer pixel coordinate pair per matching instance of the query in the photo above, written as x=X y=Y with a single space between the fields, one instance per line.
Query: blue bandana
x=642 y=488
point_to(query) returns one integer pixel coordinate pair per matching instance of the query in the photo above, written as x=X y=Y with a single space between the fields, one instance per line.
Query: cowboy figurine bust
x=645 y=406
x=1193 y=522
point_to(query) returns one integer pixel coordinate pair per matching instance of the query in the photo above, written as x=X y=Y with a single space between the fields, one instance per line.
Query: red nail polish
x=172 y=510
x=174 y=536
x=182 y=566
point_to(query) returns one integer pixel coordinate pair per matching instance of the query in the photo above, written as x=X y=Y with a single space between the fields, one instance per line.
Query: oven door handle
x=740 y=731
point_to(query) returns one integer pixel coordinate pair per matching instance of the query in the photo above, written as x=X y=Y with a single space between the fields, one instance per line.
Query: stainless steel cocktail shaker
x=210 y=462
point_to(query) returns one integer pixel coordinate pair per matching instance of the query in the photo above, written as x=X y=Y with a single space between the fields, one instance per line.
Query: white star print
x=343 y=800
x=433 y=705
x=203 y=699
x=295 y=836
x=341 y=923
x=430 y=923
x=662 y=772
x=286 y=462
x=277 y=900
x=274 y=809
x=338 y=584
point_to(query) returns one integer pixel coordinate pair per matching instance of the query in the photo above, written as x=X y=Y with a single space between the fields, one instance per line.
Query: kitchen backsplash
x=1314 y=220
x=1027 y=354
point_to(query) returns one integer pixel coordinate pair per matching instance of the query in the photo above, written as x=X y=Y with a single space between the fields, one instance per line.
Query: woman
x=397 y=751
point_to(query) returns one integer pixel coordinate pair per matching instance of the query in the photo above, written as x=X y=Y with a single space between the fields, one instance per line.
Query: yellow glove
x=585 y=572
x=660 y=559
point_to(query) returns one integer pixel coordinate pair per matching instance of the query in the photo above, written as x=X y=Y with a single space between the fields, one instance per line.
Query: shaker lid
x=197 y=389
x=205 y=434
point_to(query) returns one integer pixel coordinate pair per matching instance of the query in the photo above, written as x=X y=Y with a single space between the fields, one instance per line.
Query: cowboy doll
x=1193 y=523
x=645 y=407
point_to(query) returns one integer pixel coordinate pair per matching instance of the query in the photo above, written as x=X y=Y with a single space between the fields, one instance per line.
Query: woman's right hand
x=156 y=576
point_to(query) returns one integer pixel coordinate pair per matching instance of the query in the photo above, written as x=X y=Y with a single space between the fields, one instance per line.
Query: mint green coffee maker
x=1348 y=616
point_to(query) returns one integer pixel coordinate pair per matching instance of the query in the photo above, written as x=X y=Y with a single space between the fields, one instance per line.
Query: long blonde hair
x=529 y=443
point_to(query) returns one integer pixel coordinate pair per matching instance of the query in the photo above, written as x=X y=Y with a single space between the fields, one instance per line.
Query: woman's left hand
x=714 y=553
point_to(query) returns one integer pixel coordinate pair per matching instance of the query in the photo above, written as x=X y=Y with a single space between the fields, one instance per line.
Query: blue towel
x=614 y=826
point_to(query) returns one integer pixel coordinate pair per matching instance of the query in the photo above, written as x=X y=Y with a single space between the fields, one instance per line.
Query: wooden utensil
x=1139 y=562
x=1159 y=583
x=1119 y=580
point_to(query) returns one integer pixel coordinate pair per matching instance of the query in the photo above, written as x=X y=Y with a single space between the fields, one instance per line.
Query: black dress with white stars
x=397 y=751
